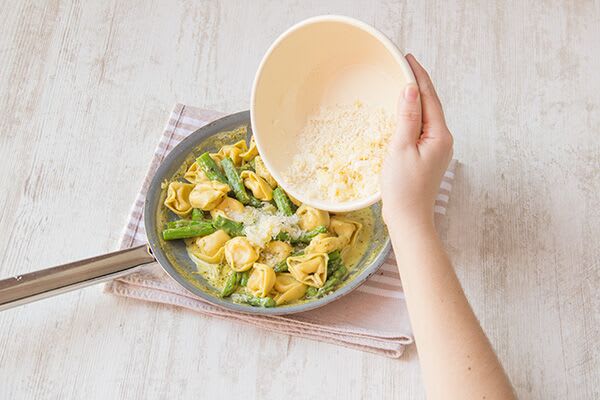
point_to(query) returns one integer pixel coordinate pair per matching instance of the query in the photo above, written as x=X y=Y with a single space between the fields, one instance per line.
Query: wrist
x=408 y=228
x=405 y=218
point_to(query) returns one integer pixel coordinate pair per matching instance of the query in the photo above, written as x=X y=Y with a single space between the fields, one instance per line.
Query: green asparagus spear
x=234 y=181
x=232 y=228
x=341 y=272
x=284 y=204
x=231 y=284
x=197 y=229
x=307 y=236
x=332 y=281
x=335 y=255
x=253 y=301
x=197 y=214
x=304 y=238
x=210 y=168
x=283 y=237
x=266 y=302
x=328 y=286
x=244 y=278
x=281 y=266
x=254 y=202
x=179 y=223
x=334 y=262
x=311 y=292
x=185 y=222
x=332 y=266
x=248 y=166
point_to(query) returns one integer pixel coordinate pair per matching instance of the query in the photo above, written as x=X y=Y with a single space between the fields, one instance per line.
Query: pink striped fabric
x=372 y=318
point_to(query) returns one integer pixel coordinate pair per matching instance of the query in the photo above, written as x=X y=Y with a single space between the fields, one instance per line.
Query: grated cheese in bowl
x=340 y=153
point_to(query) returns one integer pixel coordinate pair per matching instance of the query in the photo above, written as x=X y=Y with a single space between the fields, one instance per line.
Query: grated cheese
x=261 y=224
x=341 y=153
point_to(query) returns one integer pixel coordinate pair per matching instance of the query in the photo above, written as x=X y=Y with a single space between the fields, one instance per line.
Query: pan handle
x=48 y=282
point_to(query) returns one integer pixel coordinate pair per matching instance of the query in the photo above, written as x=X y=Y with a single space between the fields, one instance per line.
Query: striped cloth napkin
x=372 y=318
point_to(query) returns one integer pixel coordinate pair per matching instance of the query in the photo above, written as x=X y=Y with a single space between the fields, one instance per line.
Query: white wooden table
x=86 y=87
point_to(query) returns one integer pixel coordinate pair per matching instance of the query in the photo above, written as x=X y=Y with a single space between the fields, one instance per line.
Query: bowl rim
x=394 y=52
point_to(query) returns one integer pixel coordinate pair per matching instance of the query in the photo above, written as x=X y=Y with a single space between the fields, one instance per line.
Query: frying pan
x=172 y=255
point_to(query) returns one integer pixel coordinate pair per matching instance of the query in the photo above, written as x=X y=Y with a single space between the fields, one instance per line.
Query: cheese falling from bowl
x=340 y=153
x=262 y=224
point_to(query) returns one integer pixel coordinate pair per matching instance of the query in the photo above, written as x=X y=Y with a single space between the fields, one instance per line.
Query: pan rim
x=151 y=204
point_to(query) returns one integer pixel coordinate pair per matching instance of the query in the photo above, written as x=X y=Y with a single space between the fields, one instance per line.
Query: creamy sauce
x=216 y=274
x=352 y=255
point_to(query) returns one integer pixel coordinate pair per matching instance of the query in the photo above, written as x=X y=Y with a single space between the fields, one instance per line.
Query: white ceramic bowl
x=320 y=62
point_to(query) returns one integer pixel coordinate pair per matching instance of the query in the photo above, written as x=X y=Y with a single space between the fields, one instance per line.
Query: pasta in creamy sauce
x=251 y=240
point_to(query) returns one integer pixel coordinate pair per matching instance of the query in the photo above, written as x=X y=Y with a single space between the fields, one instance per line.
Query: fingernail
x=411 y=92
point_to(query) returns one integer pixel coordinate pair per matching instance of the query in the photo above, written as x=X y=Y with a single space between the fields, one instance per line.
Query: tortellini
x=263 y=172
x=233 y=151
x=310 y=217
x=227 y=208
x=251 y=152
x=178 y=198
x=211 y=247
x=194 y=174
x=240 y=254
x=345 y=229
x=275 y=252
x=310 y=269
x=257 y=185
x=288 y=289
x=261 y=280
x=325 y=243
x=207 y=195
x=294 y=200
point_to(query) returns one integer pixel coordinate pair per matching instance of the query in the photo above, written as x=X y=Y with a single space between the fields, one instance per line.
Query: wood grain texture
x=86 y=88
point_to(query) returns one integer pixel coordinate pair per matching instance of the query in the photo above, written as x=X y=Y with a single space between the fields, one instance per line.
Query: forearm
x=456 y=358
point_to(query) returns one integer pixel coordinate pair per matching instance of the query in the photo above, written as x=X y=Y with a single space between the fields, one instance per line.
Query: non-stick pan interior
x=172 y=255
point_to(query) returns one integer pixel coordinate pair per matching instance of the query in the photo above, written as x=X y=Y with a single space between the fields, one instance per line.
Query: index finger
x=430 y=102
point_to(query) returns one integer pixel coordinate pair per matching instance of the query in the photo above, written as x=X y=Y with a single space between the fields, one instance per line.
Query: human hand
x=417 y=155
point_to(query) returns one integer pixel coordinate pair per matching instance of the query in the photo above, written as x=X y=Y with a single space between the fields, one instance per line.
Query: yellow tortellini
x=240 y=254
x=325 y=243
x=241 y=257
x=178 y=198
x=257 y=185
x=216 y=158
x=227 y=207
x=233 y=151
x=310 y=217
x=294 y=200
x=263 y=172
x=210 y=248
x=345 y=229
x=194 y=174
x=310 y=269
x=288 y=289
x=251 y=152
x=275 y=251
x=207 y=195
x=261 y=280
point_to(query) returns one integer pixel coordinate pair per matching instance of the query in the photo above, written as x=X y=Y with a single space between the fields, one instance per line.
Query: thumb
x=408 y=129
